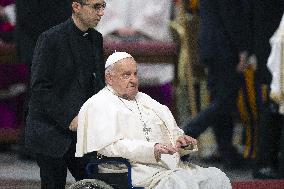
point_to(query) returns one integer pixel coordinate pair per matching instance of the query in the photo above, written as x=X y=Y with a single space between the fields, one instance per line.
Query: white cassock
x=116 y=127
x=275 y=64
x=148 y=17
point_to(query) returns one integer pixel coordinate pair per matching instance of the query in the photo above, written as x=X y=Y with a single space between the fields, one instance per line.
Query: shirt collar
x=78 y=31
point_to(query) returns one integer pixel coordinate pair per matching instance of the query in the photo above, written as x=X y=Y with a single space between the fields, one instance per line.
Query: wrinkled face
x=89 y=12
x=123 y=78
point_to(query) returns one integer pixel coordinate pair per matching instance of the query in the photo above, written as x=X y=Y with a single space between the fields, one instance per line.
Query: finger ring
x=164 y=146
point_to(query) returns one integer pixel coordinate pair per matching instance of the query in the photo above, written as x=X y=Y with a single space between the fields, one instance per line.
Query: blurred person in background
x=224 y=47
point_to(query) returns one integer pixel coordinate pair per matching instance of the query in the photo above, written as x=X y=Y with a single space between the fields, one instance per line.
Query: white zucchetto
x=115 y=57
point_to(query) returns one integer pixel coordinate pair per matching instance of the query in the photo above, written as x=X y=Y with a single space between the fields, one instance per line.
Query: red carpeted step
x=259 y=184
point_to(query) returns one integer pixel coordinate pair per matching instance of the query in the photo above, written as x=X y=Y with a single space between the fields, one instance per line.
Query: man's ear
x=108 y=78
x=76 y=6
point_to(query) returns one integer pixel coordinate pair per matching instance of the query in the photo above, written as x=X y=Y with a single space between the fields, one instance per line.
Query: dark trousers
x=53 y=171
x=223 y=86
x=222 y=124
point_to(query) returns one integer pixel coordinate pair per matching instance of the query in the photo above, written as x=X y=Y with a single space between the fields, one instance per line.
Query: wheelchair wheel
x=90 y=184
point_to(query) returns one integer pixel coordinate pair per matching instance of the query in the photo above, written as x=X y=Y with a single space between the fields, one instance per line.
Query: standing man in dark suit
x=34 y=17
x=223 y=49
x=67 y=69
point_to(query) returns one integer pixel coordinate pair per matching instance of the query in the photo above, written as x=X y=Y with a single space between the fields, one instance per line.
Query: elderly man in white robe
x=119 y=121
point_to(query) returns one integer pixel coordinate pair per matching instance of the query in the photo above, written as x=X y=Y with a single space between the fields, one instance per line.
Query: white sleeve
x=133 y=150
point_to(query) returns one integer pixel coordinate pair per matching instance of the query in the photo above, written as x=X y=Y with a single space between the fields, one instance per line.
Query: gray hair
x=109 y=71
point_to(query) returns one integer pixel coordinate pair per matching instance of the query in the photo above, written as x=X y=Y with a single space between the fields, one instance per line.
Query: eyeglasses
x=97 y=7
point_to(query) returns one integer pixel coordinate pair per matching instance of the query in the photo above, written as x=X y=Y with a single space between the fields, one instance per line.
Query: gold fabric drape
x=189 y=70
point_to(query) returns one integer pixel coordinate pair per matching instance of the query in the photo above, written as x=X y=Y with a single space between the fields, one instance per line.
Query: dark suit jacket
x=67 y=69
x=222 y=30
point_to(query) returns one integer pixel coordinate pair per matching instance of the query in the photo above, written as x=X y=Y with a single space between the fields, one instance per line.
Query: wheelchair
x=98 y=180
